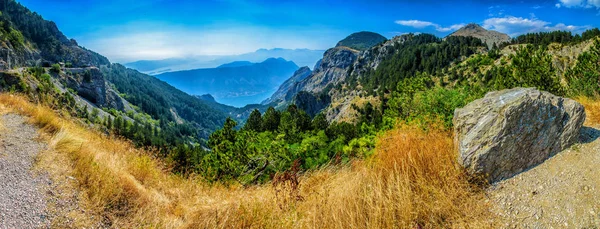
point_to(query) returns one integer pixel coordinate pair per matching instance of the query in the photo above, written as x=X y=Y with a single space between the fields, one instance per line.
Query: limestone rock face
x=509 y=131
x=90 y=84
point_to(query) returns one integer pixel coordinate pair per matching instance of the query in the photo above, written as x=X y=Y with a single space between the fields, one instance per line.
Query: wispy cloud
x=514 y=26
x=422 y=24
x=579 y=4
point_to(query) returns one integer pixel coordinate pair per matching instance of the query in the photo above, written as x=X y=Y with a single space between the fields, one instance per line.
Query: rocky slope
x=489 y=37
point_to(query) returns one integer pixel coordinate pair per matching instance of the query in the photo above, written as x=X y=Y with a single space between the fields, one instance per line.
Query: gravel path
x=22 y=191
x=562 y=192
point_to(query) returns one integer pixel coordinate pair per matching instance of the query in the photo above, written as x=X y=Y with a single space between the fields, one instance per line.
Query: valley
x=462 y=127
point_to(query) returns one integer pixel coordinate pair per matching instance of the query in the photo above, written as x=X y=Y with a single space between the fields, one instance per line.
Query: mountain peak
x=207 y=97
x=362 y=40
x=473 y=26
x=235 y=64
x=489 y=37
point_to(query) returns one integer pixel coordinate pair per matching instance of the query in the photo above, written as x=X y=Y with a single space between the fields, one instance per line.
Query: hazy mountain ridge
x=235 y=85
x=302 y=57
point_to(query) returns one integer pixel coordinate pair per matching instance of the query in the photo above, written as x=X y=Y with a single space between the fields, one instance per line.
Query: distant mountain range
x=237 y=83
x=302 y=57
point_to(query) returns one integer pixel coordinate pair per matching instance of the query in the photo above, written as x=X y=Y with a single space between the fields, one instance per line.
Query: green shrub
x=55 y=68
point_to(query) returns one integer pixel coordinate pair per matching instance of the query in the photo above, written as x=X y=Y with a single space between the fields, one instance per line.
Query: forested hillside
x=422 y=81
x=28 y=29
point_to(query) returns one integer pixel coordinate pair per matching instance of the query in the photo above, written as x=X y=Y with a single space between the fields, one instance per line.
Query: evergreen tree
x=254 y=122
x=320 y=122
x=271 y=119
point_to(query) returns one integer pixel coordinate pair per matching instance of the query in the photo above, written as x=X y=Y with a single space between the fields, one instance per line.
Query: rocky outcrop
x=76 y=55
x=89 y=83
x=509 y=131
x=333 y=69
x=11 y=57
x=489 y=37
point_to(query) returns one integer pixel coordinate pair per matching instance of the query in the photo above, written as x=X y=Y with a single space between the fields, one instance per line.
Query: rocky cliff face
x=331 y=70
x=90 y=84
x=11 y=57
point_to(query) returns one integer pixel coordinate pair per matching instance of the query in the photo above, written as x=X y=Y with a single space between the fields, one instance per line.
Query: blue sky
x=127 y=30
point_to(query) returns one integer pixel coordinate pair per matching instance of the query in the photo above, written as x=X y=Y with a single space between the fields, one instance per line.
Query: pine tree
x=271 y=119
x=320 y=122
x=254 y=122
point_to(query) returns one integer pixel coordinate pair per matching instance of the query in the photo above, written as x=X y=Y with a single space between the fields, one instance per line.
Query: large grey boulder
x=512 y=130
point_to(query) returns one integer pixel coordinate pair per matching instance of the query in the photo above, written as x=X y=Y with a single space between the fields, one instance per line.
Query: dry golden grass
x=592 y=110
x=413 y=181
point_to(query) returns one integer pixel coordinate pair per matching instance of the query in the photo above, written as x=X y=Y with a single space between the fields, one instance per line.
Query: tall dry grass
x=592 y=110
x=412 y=181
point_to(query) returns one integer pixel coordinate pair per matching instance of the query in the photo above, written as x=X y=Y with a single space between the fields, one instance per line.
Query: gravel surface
x=562 y=192
x=22 y=191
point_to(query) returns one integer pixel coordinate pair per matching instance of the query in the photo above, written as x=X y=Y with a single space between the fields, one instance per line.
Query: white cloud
x=422 y=24
x=557 y=5
x=514 y=26
x=579 y=4
x=415 y=23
